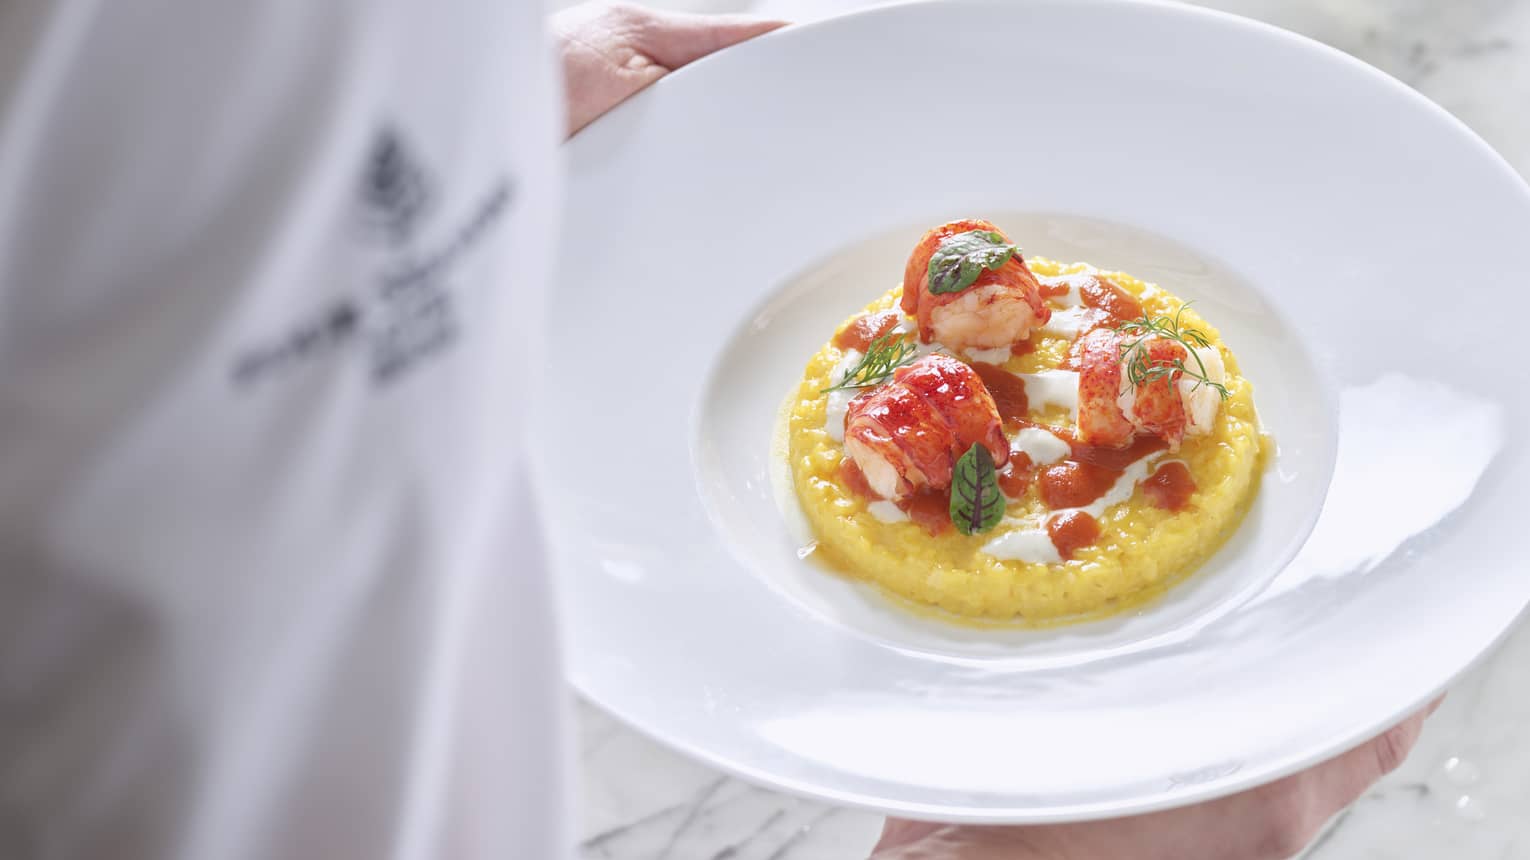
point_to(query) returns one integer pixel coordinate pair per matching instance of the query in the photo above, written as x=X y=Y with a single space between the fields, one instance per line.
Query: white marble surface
x=1464 y=795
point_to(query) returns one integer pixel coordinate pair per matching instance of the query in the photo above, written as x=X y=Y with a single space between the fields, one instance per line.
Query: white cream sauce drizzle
x=1031 y=543
x=1122 y=489
x=1042 y=447
x=997 y=355
x=1069 y=322
x=839 y=400
x=1074 y=296
x=1052 y=388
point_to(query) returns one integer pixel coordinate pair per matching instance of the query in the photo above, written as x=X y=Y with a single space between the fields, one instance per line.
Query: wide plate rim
x=1245 y=779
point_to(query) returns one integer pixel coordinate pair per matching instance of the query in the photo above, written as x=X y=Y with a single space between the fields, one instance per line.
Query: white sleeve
x=270 y=584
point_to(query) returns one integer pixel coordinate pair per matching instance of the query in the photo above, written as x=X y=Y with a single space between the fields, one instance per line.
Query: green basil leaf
x=960 y=259
x=977 y=504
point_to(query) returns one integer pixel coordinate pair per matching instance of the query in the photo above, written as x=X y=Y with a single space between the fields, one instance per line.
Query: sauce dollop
x=1071 y=531
x=1118 y=304
x=1170 y=486
x=1074 y=484
x=1015 y=477
x=866 y=328
x=1051 y=288
x=1008 y=391
x=930 y=509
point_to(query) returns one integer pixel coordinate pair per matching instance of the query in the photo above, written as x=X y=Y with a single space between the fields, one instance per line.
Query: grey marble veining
x=1472 y=57
x=1464 y=795
x=644 y=803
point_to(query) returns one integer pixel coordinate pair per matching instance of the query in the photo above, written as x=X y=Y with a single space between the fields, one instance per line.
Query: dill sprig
x=883 y=356
x=1140 y=370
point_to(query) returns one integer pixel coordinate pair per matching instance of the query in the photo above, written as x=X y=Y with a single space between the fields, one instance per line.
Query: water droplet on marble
x=1470 y=808
x=1461 y=772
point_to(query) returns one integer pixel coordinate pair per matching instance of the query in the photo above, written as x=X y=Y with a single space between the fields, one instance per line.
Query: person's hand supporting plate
x=1272 y=822
x=610 y=52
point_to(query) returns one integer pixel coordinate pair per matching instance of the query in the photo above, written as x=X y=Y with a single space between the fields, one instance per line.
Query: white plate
x=1361 y=250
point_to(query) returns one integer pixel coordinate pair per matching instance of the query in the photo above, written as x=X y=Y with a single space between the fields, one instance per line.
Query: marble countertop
x=1465 y=793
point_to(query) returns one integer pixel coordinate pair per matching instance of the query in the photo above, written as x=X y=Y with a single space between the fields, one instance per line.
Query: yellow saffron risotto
x=1141 y=550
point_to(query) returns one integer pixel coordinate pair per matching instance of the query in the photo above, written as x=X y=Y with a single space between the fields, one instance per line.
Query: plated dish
x=1312 y=211
x=1015 y=439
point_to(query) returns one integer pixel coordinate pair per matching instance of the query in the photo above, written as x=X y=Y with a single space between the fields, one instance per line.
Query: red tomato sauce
x=1008 y=391
x=930 y=509
x=866 y=328
x=1053 y=290
x=1118 y=304
x=1170 y=486
x=1117 y=458
x=1072 y=484
x=1072 y=531
x=1016 y=476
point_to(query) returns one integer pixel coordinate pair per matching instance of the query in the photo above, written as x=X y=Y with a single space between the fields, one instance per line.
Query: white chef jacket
x=270 y=279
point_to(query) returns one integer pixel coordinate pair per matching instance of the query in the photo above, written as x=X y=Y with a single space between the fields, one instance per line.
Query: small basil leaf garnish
x=977 y=504
x=960 y=259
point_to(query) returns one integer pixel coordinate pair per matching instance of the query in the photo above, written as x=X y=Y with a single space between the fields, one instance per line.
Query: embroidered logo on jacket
x=405 y=313
x=395 y=190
